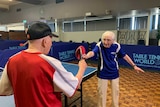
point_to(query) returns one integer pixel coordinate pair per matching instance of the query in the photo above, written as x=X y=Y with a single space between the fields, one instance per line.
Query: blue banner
x=64 y=51
x=144 y=56
x=11 y=44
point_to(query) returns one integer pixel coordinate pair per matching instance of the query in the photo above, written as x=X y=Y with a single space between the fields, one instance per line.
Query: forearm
x=90 y=54
x=82 y=67
x=80 y=75
x=129 y=60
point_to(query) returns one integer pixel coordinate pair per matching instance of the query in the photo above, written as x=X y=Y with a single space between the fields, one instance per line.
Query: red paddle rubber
x=79 y=52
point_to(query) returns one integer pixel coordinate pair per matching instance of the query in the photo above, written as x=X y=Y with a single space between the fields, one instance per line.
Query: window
x=67 y=27
x=52 y=26
x=141 y=22
x=78 y=26
x=90 y=24
x=125 y=23
x=133 y=23
x=105 y=24
x=156 y=21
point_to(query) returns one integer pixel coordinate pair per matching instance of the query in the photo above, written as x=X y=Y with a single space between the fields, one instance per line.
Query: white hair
x=108 y=33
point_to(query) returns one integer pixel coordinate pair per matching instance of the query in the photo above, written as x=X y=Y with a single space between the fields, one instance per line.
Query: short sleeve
x=121 y=53
x=63 y=80
x=96 y=48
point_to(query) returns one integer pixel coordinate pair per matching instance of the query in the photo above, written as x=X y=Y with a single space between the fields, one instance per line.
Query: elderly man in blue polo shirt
x=108 y=70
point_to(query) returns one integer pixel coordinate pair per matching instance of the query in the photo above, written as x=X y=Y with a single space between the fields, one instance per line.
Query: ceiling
x=5 y=4
x=8 y=2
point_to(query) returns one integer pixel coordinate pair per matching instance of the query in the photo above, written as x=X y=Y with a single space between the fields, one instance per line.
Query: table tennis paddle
x=79 y=52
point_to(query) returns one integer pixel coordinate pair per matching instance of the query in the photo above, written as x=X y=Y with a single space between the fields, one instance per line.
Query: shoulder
x=13 y=56
x=116 y=44
x=48 y=57
x=99 y=44
x=55 y=63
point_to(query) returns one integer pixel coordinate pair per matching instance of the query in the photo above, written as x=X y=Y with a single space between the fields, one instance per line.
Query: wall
x=67 y=9
x=132 y=37
x=5 y=35
x=17 y=35
x=71 y=8
x=92 y=36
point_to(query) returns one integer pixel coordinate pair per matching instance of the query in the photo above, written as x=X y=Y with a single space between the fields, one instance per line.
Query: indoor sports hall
x=136 y=25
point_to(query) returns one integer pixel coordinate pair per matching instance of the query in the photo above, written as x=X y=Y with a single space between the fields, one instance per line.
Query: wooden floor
x=136 y=90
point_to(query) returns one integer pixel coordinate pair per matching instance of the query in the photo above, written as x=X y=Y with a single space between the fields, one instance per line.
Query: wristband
x=134 y=65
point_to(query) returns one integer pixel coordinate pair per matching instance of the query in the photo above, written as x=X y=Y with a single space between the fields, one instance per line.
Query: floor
x=136 y=90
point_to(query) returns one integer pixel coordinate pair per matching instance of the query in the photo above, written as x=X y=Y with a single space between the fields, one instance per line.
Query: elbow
x=6 y=91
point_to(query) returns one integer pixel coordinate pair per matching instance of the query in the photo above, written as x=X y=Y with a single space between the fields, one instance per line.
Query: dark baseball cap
x=39 y=30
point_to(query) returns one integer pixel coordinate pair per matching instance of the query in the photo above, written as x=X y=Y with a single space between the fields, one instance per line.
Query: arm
x=82 y=67
x=129 y=60
x=64 y=81
x=88 y=55
x=5 y=85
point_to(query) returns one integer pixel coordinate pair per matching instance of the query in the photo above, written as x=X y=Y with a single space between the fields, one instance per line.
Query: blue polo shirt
x=108 y=64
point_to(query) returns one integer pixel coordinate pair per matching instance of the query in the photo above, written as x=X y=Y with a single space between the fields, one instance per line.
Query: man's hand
x=84 y=56
x=137 y=69
x=82 y=64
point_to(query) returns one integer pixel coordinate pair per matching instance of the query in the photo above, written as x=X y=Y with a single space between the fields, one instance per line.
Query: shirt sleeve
x=96 y=48
x=5 y=85
x=121 y=53
x=63 y=80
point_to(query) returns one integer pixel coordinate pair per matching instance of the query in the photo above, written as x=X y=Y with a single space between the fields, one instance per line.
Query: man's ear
x=43 y=43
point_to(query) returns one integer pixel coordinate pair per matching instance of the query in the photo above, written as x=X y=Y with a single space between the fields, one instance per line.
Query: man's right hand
x=84 y=56
x=82 y=64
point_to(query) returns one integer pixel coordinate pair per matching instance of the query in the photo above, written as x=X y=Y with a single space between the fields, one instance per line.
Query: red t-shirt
x=34 y=76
